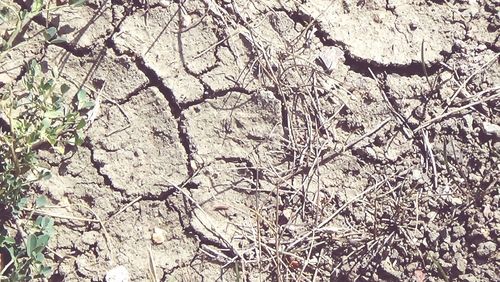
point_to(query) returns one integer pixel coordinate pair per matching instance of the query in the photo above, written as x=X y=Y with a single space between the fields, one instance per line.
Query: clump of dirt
x=302 y=141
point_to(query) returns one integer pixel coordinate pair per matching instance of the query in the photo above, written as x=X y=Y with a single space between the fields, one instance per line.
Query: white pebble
x=117 y=274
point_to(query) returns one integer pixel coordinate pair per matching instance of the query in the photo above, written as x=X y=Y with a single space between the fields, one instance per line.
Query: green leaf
x=34 y=67
x=31 y=244
x=83 y=99
x=46 y=222
x=39 y=257
x=77 y=2
x=81 y=124
x=41 y=202
x=82 y=95
x=45 y=123
x=23 y=14
x=51 y=139
x=59 y=40
x=60 y=149
x=44 y=174
x=50 y=33
x=23 y=202
x=36 y=6
x=46 y=271
x=54 y=114
x=42 y=241
x=4 y=13
x=12 y=252
x=88 y=105
x=49 y=84
x=64 y=88
x=79 y=138
x=38 y=220
x=6 y=240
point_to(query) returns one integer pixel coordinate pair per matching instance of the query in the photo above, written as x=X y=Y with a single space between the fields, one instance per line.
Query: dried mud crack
x=98 y=164
x=361 y=65
x=238 y=141
x=175 y=108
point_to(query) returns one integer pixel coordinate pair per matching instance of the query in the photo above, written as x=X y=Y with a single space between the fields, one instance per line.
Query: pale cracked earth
x=279 y=140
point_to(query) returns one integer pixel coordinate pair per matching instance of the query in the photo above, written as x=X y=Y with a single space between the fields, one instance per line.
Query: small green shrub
x=40 y=114
x=27 y=260
x=35 y=113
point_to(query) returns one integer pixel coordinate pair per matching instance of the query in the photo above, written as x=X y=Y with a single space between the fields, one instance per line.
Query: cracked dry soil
x=279 y=140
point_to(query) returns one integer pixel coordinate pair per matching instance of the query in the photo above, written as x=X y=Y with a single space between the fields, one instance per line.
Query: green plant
x=27 y=260
x=41 y=114
x=14 y=22
x=36 y=113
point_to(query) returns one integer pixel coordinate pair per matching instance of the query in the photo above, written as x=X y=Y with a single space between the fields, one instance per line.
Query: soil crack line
x=360 y=65
x=98 y=165
x=156 y=81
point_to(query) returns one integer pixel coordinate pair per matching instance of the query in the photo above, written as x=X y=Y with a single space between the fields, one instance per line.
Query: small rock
x=391 y=6
x=460 y=46
x=331 y=58
x=468 y=278
x=481 y=47
x=456 y=201
x=186 y=20
x=487 y=211
x=82 y=265
x=496 y=146
x=371 y=152
x=485 y=232
x=90 y=238
x=444 y=247
x=468 y=120
x=287 y=213
x=412 y=266
x=193 y=184
x=456 y=246
x=419 y=275
x=117 y=274
x=491 y=129
x=444 y=264
x=392 y=155
x=431 y=215
x=496 y=217
x=418 y=234
x=486 y=249
x=433 y=236
x=389 y=269
x=445 y=76
x=461 y=264
x=164 y=3
x=377 y=18
x=416 y=175
x=138 y=152
x=458 y=231
x=158 y=236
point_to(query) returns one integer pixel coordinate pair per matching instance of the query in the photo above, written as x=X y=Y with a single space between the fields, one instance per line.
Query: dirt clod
x=117 y=274
x=486 y=249
x=390 y=271
x=158 y=235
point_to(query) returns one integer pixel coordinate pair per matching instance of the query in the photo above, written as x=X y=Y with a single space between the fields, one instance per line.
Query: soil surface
x=269 y=140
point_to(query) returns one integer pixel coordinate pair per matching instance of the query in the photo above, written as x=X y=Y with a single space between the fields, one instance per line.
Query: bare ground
x=280 y=141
